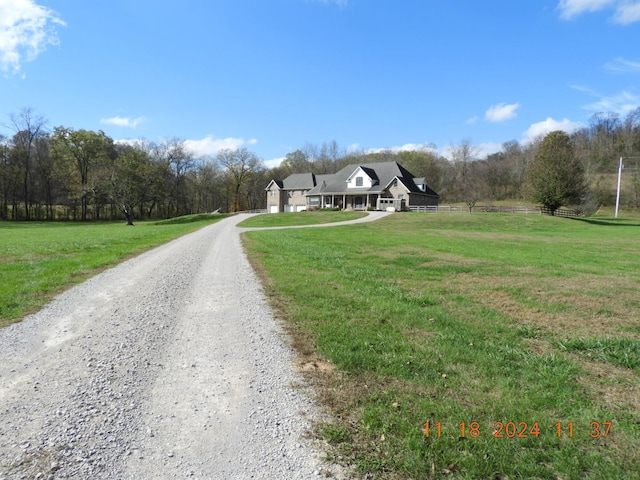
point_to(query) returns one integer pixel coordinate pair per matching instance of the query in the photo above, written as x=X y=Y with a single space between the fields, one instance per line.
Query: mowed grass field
x=39 y=259
x=467 y=346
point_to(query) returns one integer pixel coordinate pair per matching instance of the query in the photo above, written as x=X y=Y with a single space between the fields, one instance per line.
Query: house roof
x=277 y=182
x=299 y=181
x=384 y=172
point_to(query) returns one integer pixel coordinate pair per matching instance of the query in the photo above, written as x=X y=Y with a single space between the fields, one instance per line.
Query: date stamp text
x=516 y=430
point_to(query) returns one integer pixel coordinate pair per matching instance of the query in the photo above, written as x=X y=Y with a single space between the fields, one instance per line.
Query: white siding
x=352 y=182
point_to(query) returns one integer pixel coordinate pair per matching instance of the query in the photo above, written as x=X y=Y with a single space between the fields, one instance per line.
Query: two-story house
x=355 y=187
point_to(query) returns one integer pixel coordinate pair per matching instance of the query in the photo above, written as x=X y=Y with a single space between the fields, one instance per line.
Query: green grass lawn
x=514 y=338
x=39 y=259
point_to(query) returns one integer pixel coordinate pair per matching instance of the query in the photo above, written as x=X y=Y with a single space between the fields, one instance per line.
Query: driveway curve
x=169 y=365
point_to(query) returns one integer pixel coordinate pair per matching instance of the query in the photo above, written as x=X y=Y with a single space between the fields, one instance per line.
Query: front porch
x=346 y=202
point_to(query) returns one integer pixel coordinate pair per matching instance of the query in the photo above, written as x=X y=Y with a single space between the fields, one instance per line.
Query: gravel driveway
x=168 y=366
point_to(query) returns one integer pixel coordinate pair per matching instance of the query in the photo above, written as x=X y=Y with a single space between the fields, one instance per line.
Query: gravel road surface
x=168 y=366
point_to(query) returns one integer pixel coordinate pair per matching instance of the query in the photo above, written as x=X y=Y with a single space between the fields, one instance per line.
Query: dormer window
x=361 y=178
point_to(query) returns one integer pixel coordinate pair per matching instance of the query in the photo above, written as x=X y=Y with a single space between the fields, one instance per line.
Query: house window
x=395 y=182
x=273 y=193
x=359 y=181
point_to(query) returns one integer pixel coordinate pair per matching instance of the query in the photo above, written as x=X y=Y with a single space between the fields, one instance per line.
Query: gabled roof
x=412 y=184
x=370 y=172
x=383 y=172
x=277 y=182
x=299 y=181
x=423 y=181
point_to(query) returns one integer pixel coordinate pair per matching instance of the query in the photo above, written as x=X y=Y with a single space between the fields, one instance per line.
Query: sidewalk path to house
x=170 y=365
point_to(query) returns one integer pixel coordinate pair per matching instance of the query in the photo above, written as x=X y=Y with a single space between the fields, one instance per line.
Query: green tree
x=295 y=162
x=555 y=177
x=130 y=178
x=83 y=151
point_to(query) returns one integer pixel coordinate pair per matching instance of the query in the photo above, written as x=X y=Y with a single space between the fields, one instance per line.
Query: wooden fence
x=560 y=212
x=491 y=209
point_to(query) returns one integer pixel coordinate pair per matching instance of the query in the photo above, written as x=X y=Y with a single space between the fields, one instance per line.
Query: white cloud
x=26 y=29
x=407 y=147
x=353 y=148
x=472 y=120
x=621 y=103
x=480 y=151
x=571 y=8
x=488 y=148
x=273 y=163
x=210 y=145
x=625 y=11
x=621 y=65
x=547 y=126
x=122 y=121
x=501 y=112
x=133 y=142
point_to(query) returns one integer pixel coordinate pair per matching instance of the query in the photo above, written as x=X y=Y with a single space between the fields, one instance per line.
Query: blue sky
x=274 y=75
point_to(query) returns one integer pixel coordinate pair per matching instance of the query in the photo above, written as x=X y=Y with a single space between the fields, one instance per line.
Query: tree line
x=72 y=174
x=68 y=174
x=585 y=160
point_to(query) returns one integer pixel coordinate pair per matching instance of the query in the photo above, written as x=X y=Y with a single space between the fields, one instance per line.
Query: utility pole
x=620 y=167
x=618 y=190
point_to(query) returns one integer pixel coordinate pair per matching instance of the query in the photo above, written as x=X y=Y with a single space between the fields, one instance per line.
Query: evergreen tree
x=555 y=177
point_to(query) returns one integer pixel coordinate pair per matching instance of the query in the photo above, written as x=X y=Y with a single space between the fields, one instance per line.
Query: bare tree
x=47 y=179
x=178 y=160
x=28 y=127
x=5 y=178
x=206 y=180
x=468 y=186
x=630 y=133
x=239 y=165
